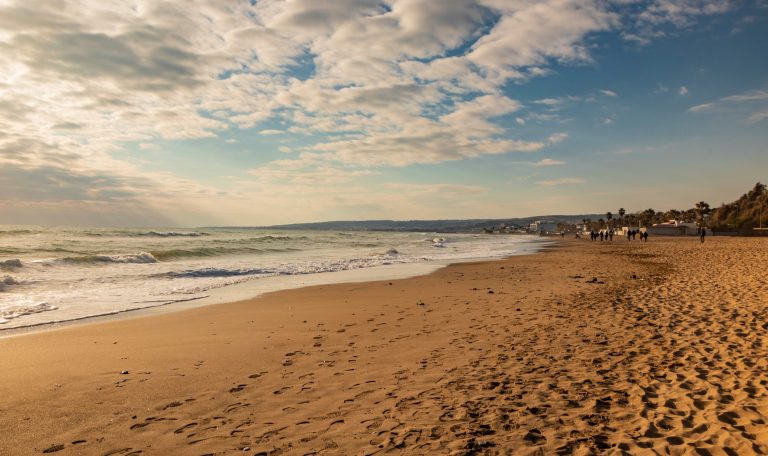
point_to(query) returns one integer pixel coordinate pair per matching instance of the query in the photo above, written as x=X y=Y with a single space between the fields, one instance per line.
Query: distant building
x=543 y=227
x=674 y=228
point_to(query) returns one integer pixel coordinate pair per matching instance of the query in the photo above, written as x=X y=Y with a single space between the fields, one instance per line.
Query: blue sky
x=252 y=113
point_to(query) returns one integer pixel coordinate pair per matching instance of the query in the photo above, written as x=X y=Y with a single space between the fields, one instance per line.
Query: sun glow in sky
x=211 y=112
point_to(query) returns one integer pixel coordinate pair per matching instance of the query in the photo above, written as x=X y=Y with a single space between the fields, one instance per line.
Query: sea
x=53 y=275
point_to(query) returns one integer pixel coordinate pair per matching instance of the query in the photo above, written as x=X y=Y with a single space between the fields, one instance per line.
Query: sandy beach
x=589 y=347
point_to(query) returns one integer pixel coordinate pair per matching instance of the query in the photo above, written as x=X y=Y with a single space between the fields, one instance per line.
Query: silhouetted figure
x=629 y=235
x=645 y=236
x=610 y=235
x=602 y=236
x=703 y=233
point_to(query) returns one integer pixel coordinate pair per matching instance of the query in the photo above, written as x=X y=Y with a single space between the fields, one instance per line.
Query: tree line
x=749 y=211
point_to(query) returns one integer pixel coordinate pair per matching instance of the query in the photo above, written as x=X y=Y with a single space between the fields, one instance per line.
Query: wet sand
x=618 y=347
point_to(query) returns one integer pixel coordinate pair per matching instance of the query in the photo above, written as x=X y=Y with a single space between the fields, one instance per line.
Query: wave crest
x=9 y=313
x=217 y=272
x=141 y=258
x=174 y=234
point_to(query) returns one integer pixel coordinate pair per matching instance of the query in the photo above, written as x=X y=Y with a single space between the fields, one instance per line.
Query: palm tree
x=673 y=214
x=609 y=217
x=621 y=214
x=648 y=216
x=702 y=209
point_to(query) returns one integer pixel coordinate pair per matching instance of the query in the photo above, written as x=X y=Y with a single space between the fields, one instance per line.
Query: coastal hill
x=445 y=226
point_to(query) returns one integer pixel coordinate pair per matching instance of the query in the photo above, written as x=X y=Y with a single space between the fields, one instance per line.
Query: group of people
x=608 y=235
x=602 y=235
x=632 y=235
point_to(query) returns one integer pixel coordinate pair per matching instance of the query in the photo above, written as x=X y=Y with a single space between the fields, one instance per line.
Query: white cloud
x=553 y=102
x=443 y=190
x=559 y=182
x=557 y=137
x=757 y=95
x=367 y=83
x=752 y=106
x=683 y=91
x=758 y=116
x=647 y=21
x=549 y=162
x=702 y=107
x=608 y=93
x=148 y=146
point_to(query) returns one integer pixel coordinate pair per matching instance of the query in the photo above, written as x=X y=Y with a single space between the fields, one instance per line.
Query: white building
x=543 y=226
x=674 y=228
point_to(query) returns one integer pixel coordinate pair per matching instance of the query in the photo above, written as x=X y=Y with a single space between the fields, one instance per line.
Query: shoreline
x=255 y=288
x=526 y=353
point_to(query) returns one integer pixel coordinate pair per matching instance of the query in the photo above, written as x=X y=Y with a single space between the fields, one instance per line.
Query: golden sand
x=619 y=347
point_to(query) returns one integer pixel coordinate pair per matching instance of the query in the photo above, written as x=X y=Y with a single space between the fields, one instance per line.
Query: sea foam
x=9 y=313
x=142 y=257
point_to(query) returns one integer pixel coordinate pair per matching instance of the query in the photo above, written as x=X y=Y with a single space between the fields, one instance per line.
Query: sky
x=213 y=112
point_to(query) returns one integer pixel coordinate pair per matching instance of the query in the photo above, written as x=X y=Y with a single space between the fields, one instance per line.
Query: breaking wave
x=173 y=234
x=9 y=313
x=142 y=258
x=167 y=255
x=217 y=272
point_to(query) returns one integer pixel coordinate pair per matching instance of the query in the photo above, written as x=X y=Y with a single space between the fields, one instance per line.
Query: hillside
x=445 y=226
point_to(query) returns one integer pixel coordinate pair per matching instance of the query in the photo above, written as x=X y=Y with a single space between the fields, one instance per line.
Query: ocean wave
x=438 y=242
x=141 y=258
x=173 y=234
x=132 y=233
x=7 y=280
x=274 y=237
x=391 y=256
x=267 y=238
x=10 y=264
x=216 y=272
x=168 y=255
x=9 y=313
x=164 y=255
x=17 y=232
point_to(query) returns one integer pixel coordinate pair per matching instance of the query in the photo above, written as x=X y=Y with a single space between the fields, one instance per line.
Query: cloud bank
x=365 y=83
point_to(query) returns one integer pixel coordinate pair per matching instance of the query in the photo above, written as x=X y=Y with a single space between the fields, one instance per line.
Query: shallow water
x=61 y=274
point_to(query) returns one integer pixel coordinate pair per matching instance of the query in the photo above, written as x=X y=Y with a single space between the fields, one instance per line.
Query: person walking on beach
x=703 y=233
